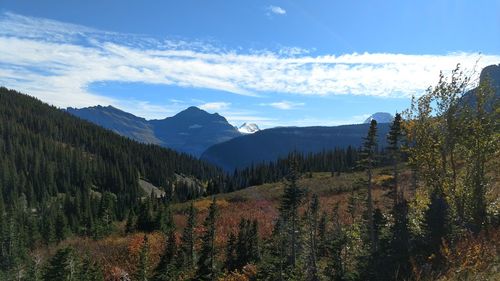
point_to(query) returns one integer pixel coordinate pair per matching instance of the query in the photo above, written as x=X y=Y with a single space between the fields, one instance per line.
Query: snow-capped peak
x=249 y=128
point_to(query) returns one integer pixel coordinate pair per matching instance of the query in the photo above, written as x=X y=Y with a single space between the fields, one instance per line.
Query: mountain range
x=212 y=138
x=271 y=144
x=190 y=131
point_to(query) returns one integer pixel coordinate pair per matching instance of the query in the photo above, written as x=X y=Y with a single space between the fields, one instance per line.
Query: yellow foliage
x=248 y=273
x=382 y=179
x=202 y=205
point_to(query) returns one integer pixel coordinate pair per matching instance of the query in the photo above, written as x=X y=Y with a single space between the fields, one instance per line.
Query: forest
x=426 y=207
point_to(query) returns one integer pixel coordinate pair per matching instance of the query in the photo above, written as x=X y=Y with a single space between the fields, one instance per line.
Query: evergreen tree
x=145 y=221
x=399 y=260
x=312 y=220
x=368 y=162
x=186 y=256
x=254 y=251
x=231 y=259
x=335 y=269
x=63 y=266
x=206 y=263
x=322 y=231
x=142 y=271
x=394 y=147
x=131 y=223
x=166 y=268
x=290 y=202
x=90 y=271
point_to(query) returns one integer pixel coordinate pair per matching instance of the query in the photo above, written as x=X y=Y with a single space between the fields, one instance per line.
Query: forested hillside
x=61 y=175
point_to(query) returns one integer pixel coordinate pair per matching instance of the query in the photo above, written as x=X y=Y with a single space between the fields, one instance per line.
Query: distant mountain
x=191 y=131
x=380 y=117
x=119 y=121
x=248 y=128
x=271 y=144
x=490 y=73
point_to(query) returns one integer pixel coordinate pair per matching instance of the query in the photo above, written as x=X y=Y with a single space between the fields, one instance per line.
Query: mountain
x=118 y=121
x=271 y=144
x=191 y=131
x=491 y=74
x=380 y=117
x=248 y=128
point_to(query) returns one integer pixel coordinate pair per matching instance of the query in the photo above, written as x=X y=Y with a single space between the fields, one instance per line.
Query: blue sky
x=275 y=63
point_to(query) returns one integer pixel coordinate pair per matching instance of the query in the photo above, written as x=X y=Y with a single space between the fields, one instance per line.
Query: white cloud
x=284 y=105
x=57 y=62
x=211 y=106
x=276 y=10
x=310 y=121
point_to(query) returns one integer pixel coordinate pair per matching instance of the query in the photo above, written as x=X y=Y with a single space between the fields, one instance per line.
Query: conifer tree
x=90 y=271
x=335 y=269
x=254 y=251
x=187 y=254
x=63 y=266
x=206 y=263
x=166 y=268
x=231 y=259
x=142 y=272
x=131 y=223
x=291 y=200
x=322 y=231
x=394 y=147
x=368 y=162
x=312 y=220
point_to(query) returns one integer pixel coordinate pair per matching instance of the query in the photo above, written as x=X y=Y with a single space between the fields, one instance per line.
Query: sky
x=273 y=63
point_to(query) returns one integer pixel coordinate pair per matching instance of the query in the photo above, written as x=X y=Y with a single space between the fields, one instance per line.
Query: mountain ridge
x=191 y=131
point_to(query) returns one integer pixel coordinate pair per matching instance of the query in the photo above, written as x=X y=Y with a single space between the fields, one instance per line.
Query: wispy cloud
x=58 y=61
x=276 y=10
x=284 y=105
x=310 y=121
x=212 y=106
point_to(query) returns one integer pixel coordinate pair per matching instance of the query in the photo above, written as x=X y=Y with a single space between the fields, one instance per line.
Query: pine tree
x=131 y=223
x=206 y=263
x=394 y=147
x=322 y=230
x=63 y=266
x=186 y=256
x=60 y=226
x=254 y=250
x=368 y=162
x=290 y=202
x=145 y=221
x=164 y=220
x=166 y=269
x=312 y=219
x=400 y=241
x=142 y=272
x=242 y=245
x=335 y=269
x=90 y=271
x=231 y=259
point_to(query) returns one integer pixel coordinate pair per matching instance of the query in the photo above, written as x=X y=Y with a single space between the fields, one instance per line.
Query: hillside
x=190 y=131
x=47 y=153
x=271 y=144
x=118 y=121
